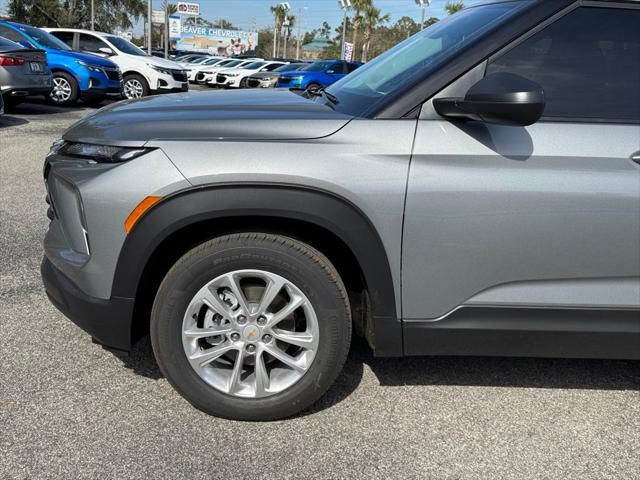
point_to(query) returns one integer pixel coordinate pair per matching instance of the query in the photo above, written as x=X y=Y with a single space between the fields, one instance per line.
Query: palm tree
x=279 y=14
x=372 y=20
x=358 y=7
x=452 y=7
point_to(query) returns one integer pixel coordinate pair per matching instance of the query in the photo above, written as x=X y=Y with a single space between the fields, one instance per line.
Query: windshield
x=255 y=65
x=290 y=67
x=316 y=67
x=231 y=63
x=44 y=39
x=212 y=61
x=401 y=67
x=196 y=61
x=125 y=46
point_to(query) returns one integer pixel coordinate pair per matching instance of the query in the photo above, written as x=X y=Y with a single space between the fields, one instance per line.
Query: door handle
x=635 y=157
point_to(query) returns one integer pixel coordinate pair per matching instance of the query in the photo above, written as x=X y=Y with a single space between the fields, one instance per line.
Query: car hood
x=158 y=62
x=218 y=115
x=85 y=57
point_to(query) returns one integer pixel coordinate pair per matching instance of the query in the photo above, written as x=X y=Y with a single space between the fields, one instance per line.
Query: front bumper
x=109 y=322
x=176 y=82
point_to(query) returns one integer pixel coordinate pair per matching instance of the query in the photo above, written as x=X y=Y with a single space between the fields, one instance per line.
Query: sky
x=246 y=13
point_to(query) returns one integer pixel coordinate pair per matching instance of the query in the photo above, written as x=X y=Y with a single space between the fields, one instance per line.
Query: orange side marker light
x=137 y=212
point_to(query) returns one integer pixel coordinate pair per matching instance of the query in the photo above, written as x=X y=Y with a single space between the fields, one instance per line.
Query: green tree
x=358 y=8
x=279 y=15
x=452 y=7
x=407 y=26
x=109 y=14
x=372 y=19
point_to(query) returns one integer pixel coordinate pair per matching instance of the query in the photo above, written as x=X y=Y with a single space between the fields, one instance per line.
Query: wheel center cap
x=251 y=333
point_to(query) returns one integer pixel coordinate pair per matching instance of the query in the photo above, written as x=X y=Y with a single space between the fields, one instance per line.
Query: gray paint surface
x=493 y=205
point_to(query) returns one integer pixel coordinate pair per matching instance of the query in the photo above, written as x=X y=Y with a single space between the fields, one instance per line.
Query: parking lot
x=69 y=409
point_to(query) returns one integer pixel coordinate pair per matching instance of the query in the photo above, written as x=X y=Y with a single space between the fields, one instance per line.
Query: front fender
x=323 y=209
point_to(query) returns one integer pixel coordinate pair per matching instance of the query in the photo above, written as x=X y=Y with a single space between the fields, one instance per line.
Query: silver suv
x=473 y=191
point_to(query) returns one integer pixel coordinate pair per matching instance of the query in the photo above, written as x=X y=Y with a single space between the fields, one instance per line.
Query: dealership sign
x=185 y=8
x=347 y=53
x=157 y=16
x=217 y=41
x=175 y=27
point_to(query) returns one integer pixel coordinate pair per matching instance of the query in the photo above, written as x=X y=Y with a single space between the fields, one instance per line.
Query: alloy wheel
x=250 y=333
x=61 y=90
x=133 y=88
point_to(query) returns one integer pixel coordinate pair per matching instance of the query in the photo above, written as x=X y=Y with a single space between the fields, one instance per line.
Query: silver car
x=23 y=72
x=475 y=190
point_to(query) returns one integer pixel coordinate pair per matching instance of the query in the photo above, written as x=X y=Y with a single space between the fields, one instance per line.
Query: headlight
x=165 y=71
x=231 y=74
x=97 y=153
x=93 y=68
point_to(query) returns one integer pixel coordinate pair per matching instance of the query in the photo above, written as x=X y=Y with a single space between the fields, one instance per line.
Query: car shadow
x=9 y=121
x=548 y=373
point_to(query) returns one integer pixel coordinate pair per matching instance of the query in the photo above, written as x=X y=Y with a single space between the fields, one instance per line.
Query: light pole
x=423 y=4
x=285 y=23
x=149 y=25
x=345 y=5
x=299 y=27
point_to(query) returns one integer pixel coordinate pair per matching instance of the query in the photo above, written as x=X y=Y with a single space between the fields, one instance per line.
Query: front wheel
x=65 y=90
x=251 y=326
x=134 y=86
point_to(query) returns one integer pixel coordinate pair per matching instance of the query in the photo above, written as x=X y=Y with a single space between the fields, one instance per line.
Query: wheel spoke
x=261 y=374
x=207 y=332
x=288 y=360
x=234 y=285
x=202 y=358
x=299 y=339
x=287 y=310
x=212 y=301
x=273 y=288
x=234 y=380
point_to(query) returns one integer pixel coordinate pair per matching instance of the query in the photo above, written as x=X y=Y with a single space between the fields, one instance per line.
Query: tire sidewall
x=194 y=271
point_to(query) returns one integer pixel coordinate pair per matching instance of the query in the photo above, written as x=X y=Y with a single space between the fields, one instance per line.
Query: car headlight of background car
x=93 y=68
x=162 y=70
x=96 y=153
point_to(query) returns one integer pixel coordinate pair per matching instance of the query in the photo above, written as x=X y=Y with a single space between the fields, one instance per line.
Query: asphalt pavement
x=71 y=410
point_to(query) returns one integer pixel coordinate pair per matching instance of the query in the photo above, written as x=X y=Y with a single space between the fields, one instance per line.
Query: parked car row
x=67 y=65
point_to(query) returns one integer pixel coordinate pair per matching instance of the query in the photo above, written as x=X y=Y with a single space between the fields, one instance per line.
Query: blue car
x=75 y=75
x=317 y=75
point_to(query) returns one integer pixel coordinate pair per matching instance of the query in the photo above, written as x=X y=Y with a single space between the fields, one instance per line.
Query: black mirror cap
x=502 y=98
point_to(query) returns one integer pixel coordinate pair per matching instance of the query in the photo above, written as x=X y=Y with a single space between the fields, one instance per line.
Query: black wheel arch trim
x=322 y=208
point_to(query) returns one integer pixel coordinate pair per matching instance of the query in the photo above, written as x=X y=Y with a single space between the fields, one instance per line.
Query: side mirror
x=502 y=98
x=106 y=50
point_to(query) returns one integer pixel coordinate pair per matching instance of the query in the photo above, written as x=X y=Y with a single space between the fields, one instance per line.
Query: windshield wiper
x=318 y=92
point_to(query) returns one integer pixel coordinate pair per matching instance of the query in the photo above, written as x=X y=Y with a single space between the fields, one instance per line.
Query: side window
x=89 y=43
x=66 y=37
x=272 y=67
x=351 y=67
x=11 y=34
x=588 y=63
x=337 y=68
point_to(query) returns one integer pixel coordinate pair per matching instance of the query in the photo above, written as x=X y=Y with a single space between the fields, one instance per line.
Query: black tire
x=299 y=263
x=139 y=79
x=73 y=94
x=10 y=103
x=243 y=82
x=313 y=86
x=94 y=101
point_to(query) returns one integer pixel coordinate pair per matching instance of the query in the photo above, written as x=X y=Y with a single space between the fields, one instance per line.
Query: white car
x=208 y=75
x=192 y=62
x=142 y=74
x=194 y=69
x=237 y=77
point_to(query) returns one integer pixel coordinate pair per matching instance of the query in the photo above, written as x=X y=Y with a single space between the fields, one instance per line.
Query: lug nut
x=266 y=338
x=241 y=319
x=262 y=320
x=235 y=337
x=251 y=348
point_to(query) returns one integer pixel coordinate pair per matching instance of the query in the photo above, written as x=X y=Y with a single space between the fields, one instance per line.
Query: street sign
x=175 y=27
x=347 y=53
x=186 y=8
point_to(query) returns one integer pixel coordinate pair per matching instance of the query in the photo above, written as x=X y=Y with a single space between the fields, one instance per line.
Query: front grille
x=253 y=82
x=221 y=78
x=284 y=80
x=179 y=75
x=113 y=74
x=200 y=77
